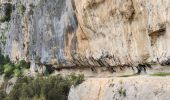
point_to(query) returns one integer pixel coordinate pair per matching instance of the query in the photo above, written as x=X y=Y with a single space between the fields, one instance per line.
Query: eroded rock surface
x=129 y=88
x=88 y=33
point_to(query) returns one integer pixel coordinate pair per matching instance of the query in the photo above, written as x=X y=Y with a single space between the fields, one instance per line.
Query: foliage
x=4 y=18
x=76 y=80
x=2 y=39
x=10 y=69
x=3 y=61
x=44 y=88
x=22 y=64
x=122 y=92
x=161 y=74
x=17 y=73
x=7 y=16
x=37 y=88
x=130 y=75
x=22 y=9
x=2 y=94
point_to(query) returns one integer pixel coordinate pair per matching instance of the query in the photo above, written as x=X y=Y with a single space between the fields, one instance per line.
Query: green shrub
x=2 y=94
x=3 y=60
x=8 y=11
x=122 y=92
x=76 y=80
x=43 y=88
x=19 y=67
x=161 y=74
x=3 y=38
x=8 y=70
x=22 y=9
x=4 y=18
x=22 y=64
x=17 y=73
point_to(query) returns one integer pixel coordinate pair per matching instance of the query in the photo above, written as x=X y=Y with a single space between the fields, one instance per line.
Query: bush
x=4 y=18
x=17 y=73
x=22 y=9
x=22 y=64
x=2 y=92
x=8 y=11
x=76 y=80
x=8 y=70
x=122 y=92
x=2 y=95
x=3 y=60
x=43 y=88
x=160 y=74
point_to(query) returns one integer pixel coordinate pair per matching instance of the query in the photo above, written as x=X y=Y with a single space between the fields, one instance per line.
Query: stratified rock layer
x=89 y=33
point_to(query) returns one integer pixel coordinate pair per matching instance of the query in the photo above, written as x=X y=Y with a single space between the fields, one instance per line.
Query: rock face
x=132 y=88
x=88 y=33
x=126 y=30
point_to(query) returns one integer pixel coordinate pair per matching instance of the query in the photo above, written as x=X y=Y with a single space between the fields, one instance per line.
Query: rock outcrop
x=129 y=88
x=88 y=33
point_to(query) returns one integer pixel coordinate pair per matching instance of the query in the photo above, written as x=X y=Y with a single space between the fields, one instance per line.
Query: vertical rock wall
x=85 y=33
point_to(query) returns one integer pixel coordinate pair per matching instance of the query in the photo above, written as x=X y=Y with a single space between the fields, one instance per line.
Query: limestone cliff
x=132 y=88
x=87 y=33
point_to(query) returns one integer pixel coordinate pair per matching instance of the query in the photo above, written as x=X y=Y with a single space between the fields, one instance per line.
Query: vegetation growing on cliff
x=7 y=14
x=2 y=39
x=122 y=92
x=3 y=60
x=161 y=74
x=34 y=88
x=42 y=88
x=22 y=9
x=10 y=69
